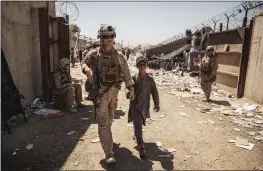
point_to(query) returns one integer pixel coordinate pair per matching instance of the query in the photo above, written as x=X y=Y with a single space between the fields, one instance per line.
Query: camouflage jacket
x=209 y=65
x=61 y=80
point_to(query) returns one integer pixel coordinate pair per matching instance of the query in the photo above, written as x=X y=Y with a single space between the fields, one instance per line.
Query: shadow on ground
x=221 y=102
x=118 y=114
x=125 y=160
x=51 y=145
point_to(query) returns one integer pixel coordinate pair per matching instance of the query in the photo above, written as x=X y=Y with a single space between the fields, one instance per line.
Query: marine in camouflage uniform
x=113 y=69
x=63 y=86
x=208 y=70
x=88 y=47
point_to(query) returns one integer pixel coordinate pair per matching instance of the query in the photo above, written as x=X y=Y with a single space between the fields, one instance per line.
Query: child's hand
x=156 y=108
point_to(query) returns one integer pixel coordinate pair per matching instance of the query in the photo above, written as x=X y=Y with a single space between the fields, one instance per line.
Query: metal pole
x=227 y=21
x=221 y=27
x=244 y=24
x=68 y=50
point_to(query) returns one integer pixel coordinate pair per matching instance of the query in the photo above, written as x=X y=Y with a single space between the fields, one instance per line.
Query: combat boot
x=142 y=152
x=72 y=110
x=110 y=159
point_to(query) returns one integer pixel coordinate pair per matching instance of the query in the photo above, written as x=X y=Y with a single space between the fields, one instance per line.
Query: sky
x=146 y=22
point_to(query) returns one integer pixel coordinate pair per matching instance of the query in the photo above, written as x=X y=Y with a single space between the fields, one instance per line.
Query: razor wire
x=231 y=19
x=64 y=8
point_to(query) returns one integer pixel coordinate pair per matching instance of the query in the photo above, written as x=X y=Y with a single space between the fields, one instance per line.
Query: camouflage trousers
x=105 y=115
x=206 y=85
x=71 y=94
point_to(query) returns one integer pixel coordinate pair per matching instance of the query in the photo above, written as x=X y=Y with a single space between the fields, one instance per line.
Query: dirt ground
x=198 y=146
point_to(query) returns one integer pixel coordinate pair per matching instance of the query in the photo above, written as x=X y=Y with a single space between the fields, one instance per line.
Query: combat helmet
x=210 y=48
x=106 y=29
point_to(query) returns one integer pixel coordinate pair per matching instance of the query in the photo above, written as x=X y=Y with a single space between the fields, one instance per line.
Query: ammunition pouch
x=110 y=77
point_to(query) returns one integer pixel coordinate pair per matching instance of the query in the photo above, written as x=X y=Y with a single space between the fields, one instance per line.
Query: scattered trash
x=237 y=129
x=48 y=113
x=205 y=122
x=158 y=144
x=248 y=147
x=162 y=116
x=37 y=104
x=211 y=121
x=248 y=108
x=169 y=150
x=95 y=140
x=258 y=121
x=16 y=151
x=147 y=119
x=231 y=140
x=143 y=130
x=259 y=137
x=182 y=106
x=252 y=133
x=76 y=163
x=195 y=90
x=70 y=133
x=29 y=146
x=85 y=119
x=241 y=141
x=129 y=125
x=182 y=114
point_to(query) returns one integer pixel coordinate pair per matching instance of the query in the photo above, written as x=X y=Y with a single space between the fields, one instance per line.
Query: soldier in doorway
x=208 y=70
x=110 y=68
x=64 y=87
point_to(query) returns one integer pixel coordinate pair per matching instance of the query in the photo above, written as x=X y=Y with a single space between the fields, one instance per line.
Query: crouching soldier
x=139 y=108
x=65 y=92
x=208 y=70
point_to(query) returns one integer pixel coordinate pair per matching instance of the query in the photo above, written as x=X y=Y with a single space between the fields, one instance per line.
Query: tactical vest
x=108 y=67
x=206 y=64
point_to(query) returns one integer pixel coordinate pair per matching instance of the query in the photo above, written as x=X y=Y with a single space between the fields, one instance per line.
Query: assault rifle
x=96 y=87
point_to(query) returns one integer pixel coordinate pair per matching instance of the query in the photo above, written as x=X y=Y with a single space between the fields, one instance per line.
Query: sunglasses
x=108 y=36
x=142 y=64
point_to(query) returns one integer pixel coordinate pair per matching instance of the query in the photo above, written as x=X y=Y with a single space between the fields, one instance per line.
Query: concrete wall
x=166 y=48
x=81 y=42
x=20 y=42
x=254 y=77
x=228 y=61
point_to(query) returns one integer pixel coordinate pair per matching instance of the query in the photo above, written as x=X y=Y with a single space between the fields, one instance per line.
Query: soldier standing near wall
x=208 y=70
x=108 y=65
x=87 y=49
